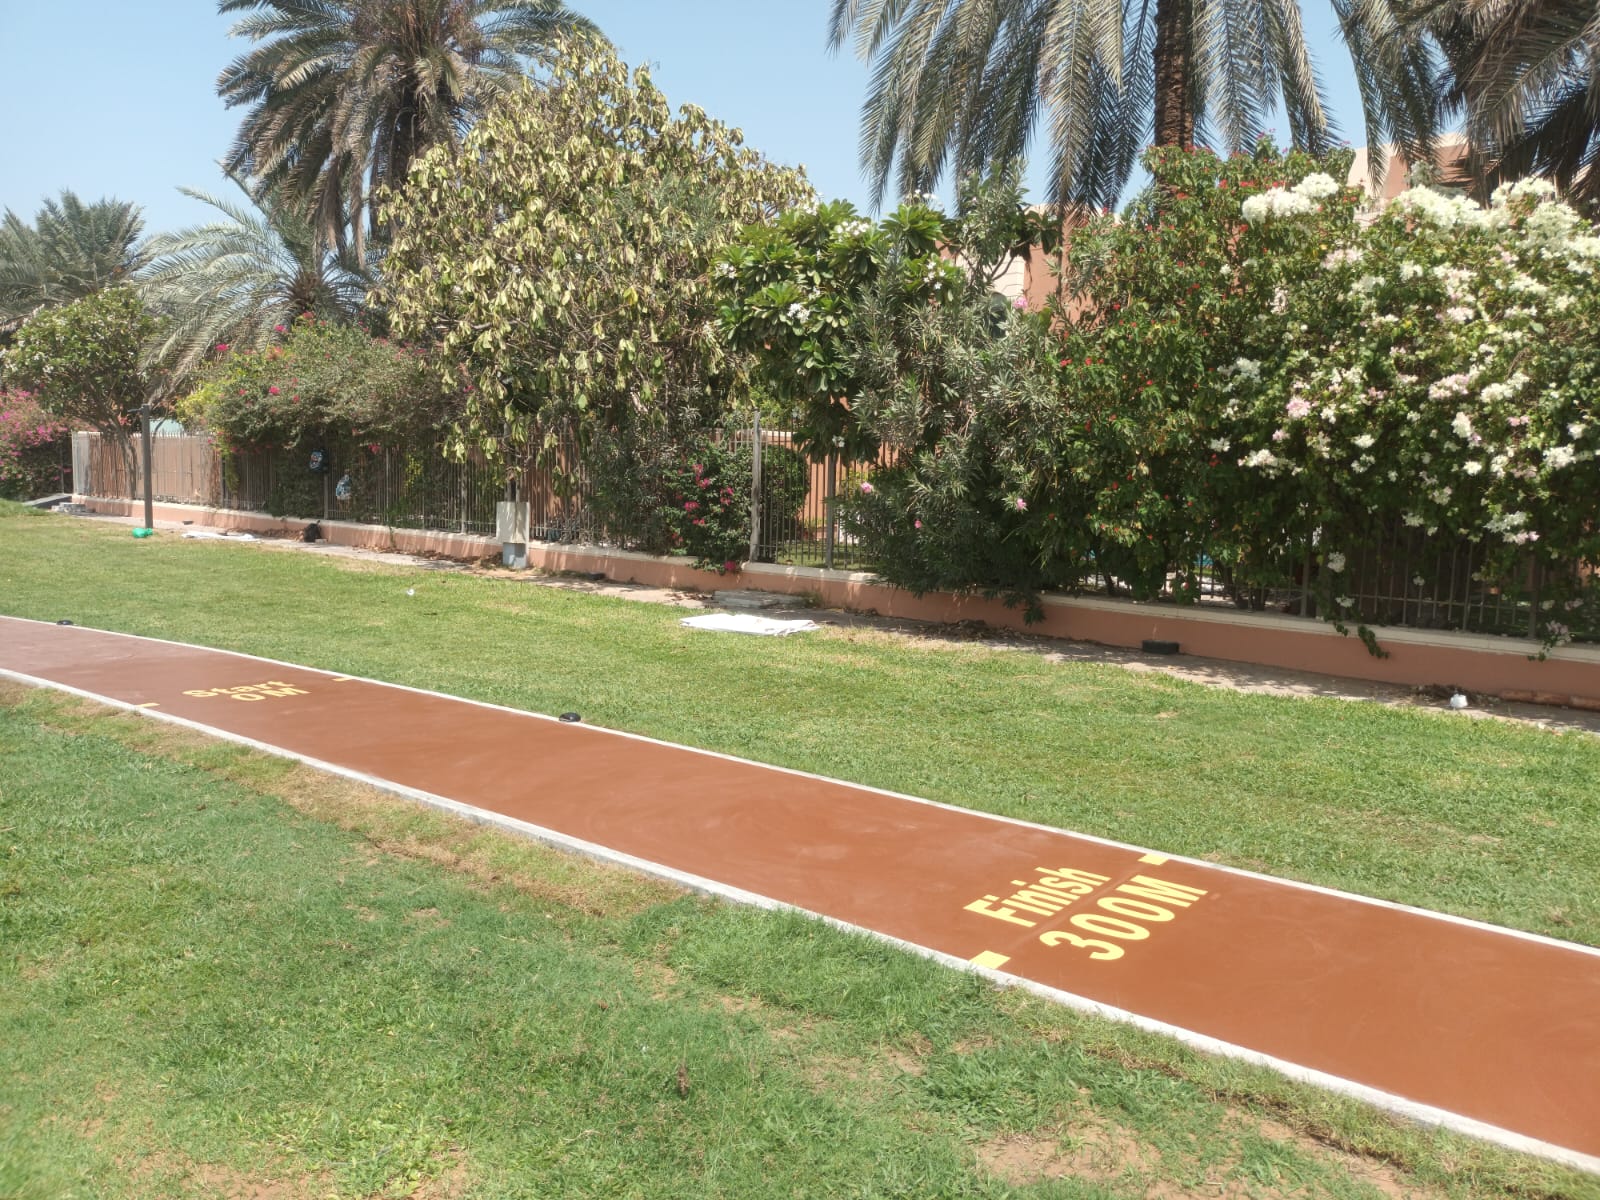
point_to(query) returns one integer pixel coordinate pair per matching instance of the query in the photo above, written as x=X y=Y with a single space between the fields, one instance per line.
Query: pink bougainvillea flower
x=1021 y=504
x=280 y=329
x=917 y=524
x=1020 y=302
x=691 y=506
x=867 y=489
x=222 y=347
x=730 y=565
x=273 y=390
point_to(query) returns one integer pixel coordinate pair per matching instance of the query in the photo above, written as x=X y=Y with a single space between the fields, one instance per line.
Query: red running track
x=1486 y=1030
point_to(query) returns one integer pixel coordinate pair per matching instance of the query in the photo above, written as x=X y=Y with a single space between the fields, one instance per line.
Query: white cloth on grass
x=748 y=623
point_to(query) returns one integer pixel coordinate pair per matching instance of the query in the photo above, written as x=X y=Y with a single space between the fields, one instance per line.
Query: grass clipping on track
x=224 y=974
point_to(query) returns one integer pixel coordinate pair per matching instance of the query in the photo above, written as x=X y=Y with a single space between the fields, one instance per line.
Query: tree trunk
x=123 y=441
x=1174 y=95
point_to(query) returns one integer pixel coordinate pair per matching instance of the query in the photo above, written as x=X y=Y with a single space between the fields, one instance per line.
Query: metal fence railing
x=1401 y=577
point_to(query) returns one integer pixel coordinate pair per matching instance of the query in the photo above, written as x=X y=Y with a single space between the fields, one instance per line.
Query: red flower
x=273 y=390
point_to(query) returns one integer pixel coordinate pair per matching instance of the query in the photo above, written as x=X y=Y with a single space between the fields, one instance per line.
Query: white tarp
x=748 y=623
x=224 y=537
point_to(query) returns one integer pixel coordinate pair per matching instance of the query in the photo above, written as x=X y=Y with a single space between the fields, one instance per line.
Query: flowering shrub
x=1082 y=439
x=321 y=383
x=1248 y=372
x=706 y=504
x=1441 y=374
x=84 y=363
x=30 y=447
x=322 y=387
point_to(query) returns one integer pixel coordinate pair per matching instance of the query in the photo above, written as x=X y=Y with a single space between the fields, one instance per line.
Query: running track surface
x=1489 y=1031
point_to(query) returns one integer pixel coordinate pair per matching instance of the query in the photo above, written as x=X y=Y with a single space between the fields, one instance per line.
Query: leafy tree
x=70 y=250
x=243 y=280
x=962 y=83
x=84 y=362
x=795 y=288
x=561 y=264
x=1526 y=77
x=342 y=95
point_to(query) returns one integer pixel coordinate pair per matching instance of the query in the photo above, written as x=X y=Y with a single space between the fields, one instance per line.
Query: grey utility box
x=511 y=520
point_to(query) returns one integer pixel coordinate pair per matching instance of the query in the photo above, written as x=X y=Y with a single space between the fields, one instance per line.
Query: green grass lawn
x=217 y=968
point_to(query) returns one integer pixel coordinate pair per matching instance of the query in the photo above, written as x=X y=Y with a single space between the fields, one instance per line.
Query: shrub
x=31 y=445
x=323 y=387
x=1240 y=373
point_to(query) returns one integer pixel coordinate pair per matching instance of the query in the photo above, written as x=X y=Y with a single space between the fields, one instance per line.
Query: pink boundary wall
x=1498 y=666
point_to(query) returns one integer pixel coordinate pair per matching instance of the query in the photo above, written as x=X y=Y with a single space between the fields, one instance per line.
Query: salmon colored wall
x=1475 y=662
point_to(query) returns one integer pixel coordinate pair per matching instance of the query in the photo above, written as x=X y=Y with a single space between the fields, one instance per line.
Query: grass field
x=280 y=977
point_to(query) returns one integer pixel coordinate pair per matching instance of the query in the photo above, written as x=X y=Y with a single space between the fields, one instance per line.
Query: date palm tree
x=71 y=250
x=962 y=84
x=1527 y=78
x=240 y=279
x=341 y=95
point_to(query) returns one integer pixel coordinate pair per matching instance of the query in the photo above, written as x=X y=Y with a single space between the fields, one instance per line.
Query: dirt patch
x=1088 y=1149
x=427 y=918
x=216 y=1181
x=449 y=1180
x=1380 y=1176
x=905 y=1064
x=657 y=978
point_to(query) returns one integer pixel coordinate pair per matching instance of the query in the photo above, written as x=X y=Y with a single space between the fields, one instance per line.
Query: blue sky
x=117 y=97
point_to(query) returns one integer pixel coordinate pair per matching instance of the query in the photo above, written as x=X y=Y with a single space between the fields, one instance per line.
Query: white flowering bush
x=1440 y=374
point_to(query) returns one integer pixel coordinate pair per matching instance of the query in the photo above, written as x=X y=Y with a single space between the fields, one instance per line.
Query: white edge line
x=1450 y=918
x=1424 y=1113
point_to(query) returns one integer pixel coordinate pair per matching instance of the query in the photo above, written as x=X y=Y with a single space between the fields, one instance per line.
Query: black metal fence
x=1402 y=578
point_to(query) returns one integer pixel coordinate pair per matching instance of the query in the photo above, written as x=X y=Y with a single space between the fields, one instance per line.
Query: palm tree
x=1527 y=77
x=962 y=83
x=342 y=95
x=242 y=279
x=70 y=250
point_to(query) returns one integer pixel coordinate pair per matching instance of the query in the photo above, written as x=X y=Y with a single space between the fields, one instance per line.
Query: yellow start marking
x=1155 y=860
x=250 y=691
x=342 y=678
x=991 y=960
x=150 y=705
